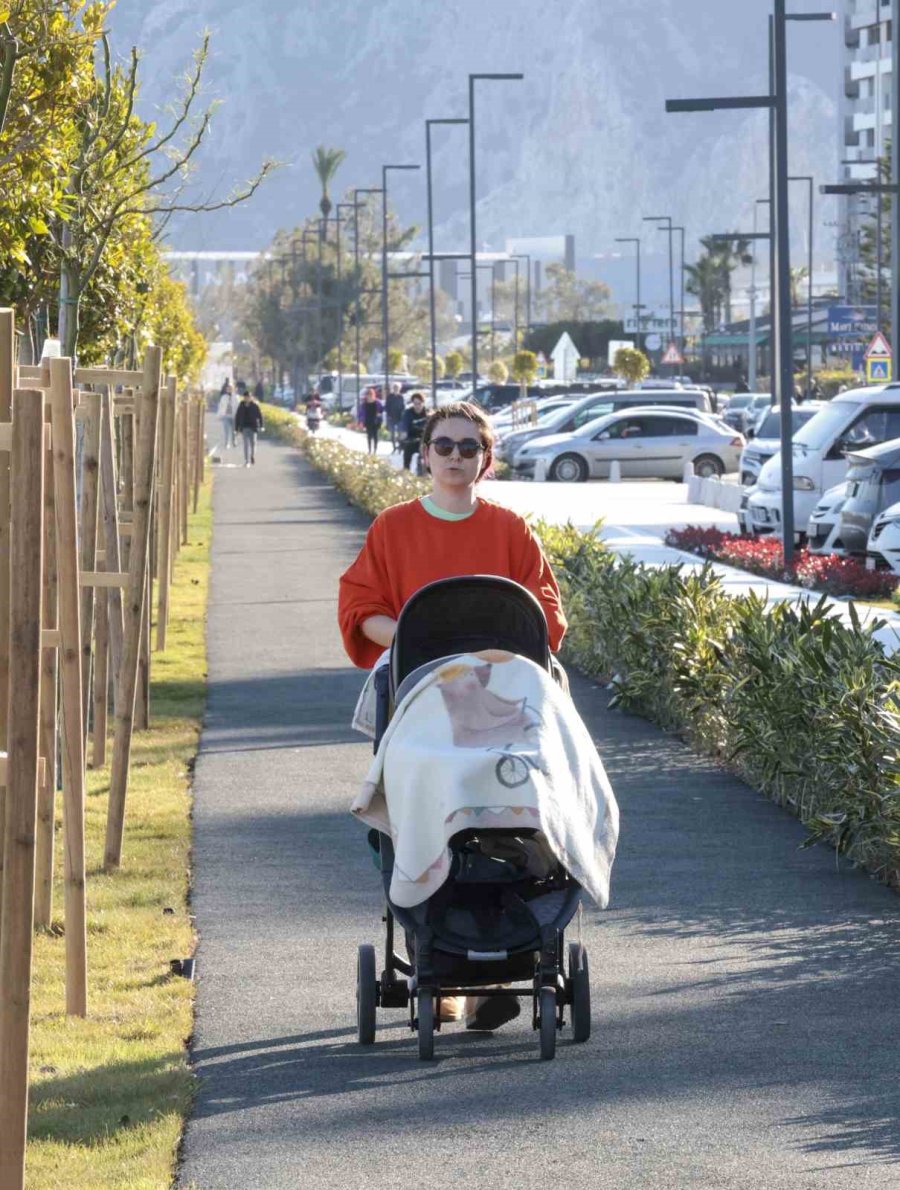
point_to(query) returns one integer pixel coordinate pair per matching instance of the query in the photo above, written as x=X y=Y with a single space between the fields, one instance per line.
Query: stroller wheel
x=426 y=1024
x=366 y=995
x=579 y=992
x=547 y=1003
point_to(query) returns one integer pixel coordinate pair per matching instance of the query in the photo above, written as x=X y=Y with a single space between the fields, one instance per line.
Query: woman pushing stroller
x=450 y=532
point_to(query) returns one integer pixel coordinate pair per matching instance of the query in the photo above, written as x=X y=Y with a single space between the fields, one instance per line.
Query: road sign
x=672 y=355
x=653 y=342
x=851 y=322
x=878 y=348
x=878 y=370
x=565 y=356
x=614 y=346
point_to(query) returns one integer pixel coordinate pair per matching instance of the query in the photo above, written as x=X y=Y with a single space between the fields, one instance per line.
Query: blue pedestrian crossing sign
x=878 y=369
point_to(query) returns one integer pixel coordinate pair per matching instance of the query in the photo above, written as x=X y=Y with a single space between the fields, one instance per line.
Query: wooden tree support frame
x=134 y=606
x=16 y=934
x=61 y=395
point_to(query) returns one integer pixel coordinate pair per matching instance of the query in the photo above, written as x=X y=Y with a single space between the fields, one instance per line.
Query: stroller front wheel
x=580 y=992
x=366 y=995
x=426 y=1024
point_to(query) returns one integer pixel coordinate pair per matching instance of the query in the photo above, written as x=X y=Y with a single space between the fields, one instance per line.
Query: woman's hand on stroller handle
x=380 y=629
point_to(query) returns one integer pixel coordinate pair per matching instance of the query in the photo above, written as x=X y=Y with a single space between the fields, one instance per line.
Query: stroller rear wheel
x=366 y=995
x=579 y=992
x=547 y=1004
x=426 y=1024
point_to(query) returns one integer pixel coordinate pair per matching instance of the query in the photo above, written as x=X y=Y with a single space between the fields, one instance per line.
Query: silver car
x=648 y=442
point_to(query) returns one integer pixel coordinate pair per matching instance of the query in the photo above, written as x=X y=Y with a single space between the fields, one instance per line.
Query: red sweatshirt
x=406 y=548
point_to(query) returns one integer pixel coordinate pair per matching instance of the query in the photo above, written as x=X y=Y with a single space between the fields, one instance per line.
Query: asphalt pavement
x=744 y=990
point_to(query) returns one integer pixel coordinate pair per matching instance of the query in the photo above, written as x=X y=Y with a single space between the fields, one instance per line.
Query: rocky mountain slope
x=582 y=145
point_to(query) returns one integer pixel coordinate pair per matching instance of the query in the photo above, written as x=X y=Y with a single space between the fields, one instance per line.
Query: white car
x=822 y=525
x=652 y=441
x=853 y=420
x=503 y=422
x=883 y=549
x=765 y=441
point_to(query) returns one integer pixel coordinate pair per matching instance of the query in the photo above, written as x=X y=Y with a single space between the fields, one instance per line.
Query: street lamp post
x=346 y=206
x=666 y=221
x=384 y=267
x=776 y=102
x=809 y=292
x=473 y=238
x=356 y=205
x=432 y=298
x=527 y=258
x=637 y=280
x=895 y=177
x=681 y=232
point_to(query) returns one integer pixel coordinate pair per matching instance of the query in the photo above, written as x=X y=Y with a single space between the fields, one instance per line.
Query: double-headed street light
x=473 y=238
x=432 y=302
x=776 y=102
x=384 y=266
x=637 y=282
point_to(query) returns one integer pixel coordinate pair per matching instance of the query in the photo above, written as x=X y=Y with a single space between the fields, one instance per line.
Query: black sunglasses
x=468 y=447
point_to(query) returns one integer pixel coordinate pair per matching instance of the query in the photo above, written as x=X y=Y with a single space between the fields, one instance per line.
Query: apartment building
x=866 y=122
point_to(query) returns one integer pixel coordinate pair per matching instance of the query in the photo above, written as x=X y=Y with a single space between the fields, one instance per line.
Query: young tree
x=123 y=171
x=498 y=372
x=566 y=297
x=453 y=364
x=524 y=368
x=632 y=365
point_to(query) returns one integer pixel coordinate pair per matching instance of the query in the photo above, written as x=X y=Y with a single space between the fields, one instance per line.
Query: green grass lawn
x=109 y=1094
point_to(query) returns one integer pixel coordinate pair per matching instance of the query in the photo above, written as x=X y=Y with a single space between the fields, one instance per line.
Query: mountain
x=582 y=145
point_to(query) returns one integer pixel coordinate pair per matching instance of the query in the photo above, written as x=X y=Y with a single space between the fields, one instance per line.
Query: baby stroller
x=491 y=923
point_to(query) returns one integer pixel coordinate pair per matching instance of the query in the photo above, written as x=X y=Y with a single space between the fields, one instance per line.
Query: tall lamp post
x=432 y=297
x=681 y=232
x=385 y=169
x=473 y=238
x=810 y=181
x=526 y=256
x=775 y=102
x=637 y=280
x=341 y=206
x=666 y=221
x=357 y=203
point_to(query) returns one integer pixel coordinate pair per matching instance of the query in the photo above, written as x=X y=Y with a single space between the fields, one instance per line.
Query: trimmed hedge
x=802 y=707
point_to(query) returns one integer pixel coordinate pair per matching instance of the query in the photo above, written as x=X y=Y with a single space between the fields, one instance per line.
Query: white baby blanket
x=490 y=740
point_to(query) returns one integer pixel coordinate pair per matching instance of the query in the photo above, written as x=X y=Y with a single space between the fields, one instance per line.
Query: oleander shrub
x=802 y=706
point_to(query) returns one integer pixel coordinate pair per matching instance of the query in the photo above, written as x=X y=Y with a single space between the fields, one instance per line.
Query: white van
x=853 y=420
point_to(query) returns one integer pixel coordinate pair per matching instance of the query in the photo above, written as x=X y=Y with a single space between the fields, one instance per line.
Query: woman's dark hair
x=469 y=412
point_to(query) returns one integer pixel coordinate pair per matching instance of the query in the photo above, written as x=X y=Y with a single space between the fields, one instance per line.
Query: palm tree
x=705 y=283
x=326 y=163
x=728 y=254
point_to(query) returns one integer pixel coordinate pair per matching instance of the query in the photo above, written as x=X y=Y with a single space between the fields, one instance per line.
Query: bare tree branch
x=113 y=144
x=192 y=92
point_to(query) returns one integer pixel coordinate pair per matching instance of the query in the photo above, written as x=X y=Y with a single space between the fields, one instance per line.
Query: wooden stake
x=101 y=679
x=46 y=811
x=137 y=574
x=163 y=553
x=185 y=472
x=7 y=383
x=89 y=525
x=111 y=528
x=26 y=549
x=70 y=683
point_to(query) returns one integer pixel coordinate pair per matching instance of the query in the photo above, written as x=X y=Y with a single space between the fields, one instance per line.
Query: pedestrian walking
x=248 y=421
x=372 y=417
x=394 y=408
x=411 y=429
x=259 y=392
x=225 y=413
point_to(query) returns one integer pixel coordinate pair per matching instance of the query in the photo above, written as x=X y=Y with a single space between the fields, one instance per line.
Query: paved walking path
x=745 y=991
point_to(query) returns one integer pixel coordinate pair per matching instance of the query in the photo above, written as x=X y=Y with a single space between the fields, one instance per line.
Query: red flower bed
x=763 y=556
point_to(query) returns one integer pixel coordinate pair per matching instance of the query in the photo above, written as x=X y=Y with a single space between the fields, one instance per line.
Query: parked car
x=503 y=421
x=754 y=412
x=854 y=420
x=873 y=484
x=564 y=421
x=648 y=442
x=883 y=549
x=734 y=410
x=822 y=524
x=765 y=440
